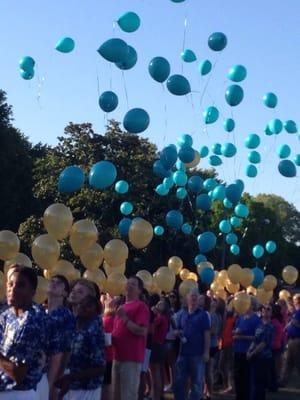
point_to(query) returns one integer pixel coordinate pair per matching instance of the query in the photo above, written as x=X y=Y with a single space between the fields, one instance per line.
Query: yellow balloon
x=234 y=273
x=108 y=269
x=115 y=284
x=154 y=288
x=115 y=252
x=20 y=259
x=232 y=287
x=45 y=251
x=58 y=220
x=146 y=277
x=96 y=276
x=186 y=286
x=284 y=295
x=246 y=277
x=203 y=265
x=184 y=273
x=222 y=277
x=215 y=286
x=41 y=291
x=269 y=283
x=242 y=302
x=165 y=279
x=65 y=268
x=140 y=233
x=175 y=264
x=221 y=293
x=290 y=274
x=83 y=234
x=251 y=290
x=264 y=296
x=9 y=245
x=195 y=161
x=193 y=276
x=92 y=258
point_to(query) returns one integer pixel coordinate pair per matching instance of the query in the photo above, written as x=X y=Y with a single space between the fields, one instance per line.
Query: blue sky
x=262 y=35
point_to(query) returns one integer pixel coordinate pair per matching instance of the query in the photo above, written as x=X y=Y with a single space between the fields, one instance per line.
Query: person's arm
x=17 y=372
x=206 y=345
x=135 y=328
x=57 y=365
x=257 y=349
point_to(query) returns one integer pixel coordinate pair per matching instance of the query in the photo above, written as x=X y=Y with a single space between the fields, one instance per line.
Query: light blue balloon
x=199 y=258
x=174 y=219
x=270 y=100
x=185 y=140
x=102 y=175
x=168 y=156
x=235 y=249
x=215 y=161
x=231 y=238
x=283 y=151
x=254 y=157
x=186 y=229
x=252 y=141
x=27 y=63
x=195 y=183
x=159 y=170
x=203 y=202
x=129 y=22
x=228 y=150
x=271 y=246
x=290 y=126
x=217 y=41
x=181 y=193
x=275 y=126
x=121 y=187
x=219 y=193
x=124 y=226
x=27 y=75
x=71 y=179
x=161 y=190
x=180 y=166
x=216 y=148
x=235 y=222
x=108 y=101
x=241 y=210
x=159 y=230
x=225 y=226
x=126 y=208
x=258 y=277
x=205 y=67
x=287 y=168
x=258 y=251
x=251 y=170
x=297 y=160
x=234 y=95
x=237 y=73
x=159 y=69
x=229 y=124
x=129 y=61
x=227 y=203
x=186 y=154
x=188 y=56
x=203 y=151
x=234 y=192
x=136 y=120
x=210 y=184
x=168 y=182
x=114 y=50
x=178 y=85
x=207 y=275
x=65 y=45
x=180 y=178
x=210 y=115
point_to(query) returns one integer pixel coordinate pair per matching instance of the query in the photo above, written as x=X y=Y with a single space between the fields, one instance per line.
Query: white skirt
x=19 y=395
x=83 y=394
x=42 y=389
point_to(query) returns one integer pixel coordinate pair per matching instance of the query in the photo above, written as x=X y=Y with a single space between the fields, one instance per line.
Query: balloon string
x=40 y=86
x=125 y=90
x=207 y=82
x=98 y=83
x=184 y=40
x=110 y=76
x=165 y=113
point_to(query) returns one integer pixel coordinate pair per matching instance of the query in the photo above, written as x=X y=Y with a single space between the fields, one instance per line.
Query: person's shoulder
x=297 y=314
x=142 y=306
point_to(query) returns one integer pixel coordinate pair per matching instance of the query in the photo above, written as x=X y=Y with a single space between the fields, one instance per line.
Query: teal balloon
x=129 y=61
x=181 y=193
x=237 y=73
x=225 y=226
x=217 y=41
x=160 y=170
x=71 y=179
x=270 y=100
x=210 y=184
x=195 y=183
x=241 y=210
x=162 y=190
x=215 y=161
x=178 y=85
x=177 y=1
x=210 y=115
x=229 y=124
x=126 y=208
x=121 y=187
x=27 y=75
x=275 y=126
x=228 y=150
x=297 y=160
x=185 y=140
x=205 y=67
x=254 y=157
x=102 y=175
x=258 y=251
x=186 y=229
x=168 y=182
x=258 y=277
x=203 y=151
x=267 y=131
x=129 y=22
x=235 y=249
x=251 y=170
x=207 y=241
x=235 y=222
x=207 y=275
x=180 y=166
x=180 y=178
x=136 y=120
x=287 y=168
x=283 y=151
x=199 y=258
x=240 y=184
x=124 y=226
x=231 y=238
x=219 y=193
x=203 y=202
x=168 y=156
x=188 y=56
x=290 y=126
x=159 y=230
x=271 y=247
x=252 y=141
x=159 y=69
x=234 y=95
x=186 y=154
x=114 y=50
x=108 y=101
x=234 y=192
x=216 y=148
x=65 y=45
x=27 y=63
x=227 y=203
x=174 y=219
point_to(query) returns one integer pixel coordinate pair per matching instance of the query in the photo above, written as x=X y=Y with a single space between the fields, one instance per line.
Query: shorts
x=107 y=373
x=158 y=353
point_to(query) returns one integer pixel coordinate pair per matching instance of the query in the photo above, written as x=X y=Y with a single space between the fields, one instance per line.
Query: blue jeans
x=187 y=367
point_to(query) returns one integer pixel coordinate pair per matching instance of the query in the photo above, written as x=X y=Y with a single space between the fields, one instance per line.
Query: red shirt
x=127 y=345
x=227 y=333
x=160 y=328
x=108 y=324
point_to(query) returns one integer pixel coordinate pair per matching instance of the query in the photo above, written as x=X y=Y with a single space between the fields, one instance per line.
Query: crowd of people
x=85 y=345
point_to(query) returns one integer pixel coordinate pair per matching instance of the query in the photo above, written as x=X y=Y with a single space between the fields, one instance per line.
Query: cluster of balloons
x=26 y=65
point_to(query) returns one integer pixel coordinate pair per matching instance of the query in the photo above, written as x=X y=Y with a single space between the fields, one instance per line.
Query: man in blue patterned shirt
x=22 y=337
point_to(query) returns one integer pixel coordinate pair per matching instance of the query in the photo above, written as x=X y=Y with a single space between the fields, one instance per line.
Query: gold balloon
x=45 y=251
x=96 y=276
x=83 y=234
x=264 y=296
x=20 y=259
x=246 y=277
x=234 y=273
x=290 y=274
x=92 y=258
x=65 y=268
x=284 y=295
x=184 y=273
x=193 y=276
x=165 y=279
x=203 y=265
x=221 y=293
x=269 y=283
x=9 y=245
x=154 y=288
x=115 y=284
x=175 y=264
x=115 y=252
x=195 y=161
x=58 y=220
x=186 y=286
x=251 y=290
x=119 y=268
x=215 y=286
x=140 y=233
x=241 y=302
x=222 y=277
x=146 y=277
x=41 y=291
x=232 y=287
